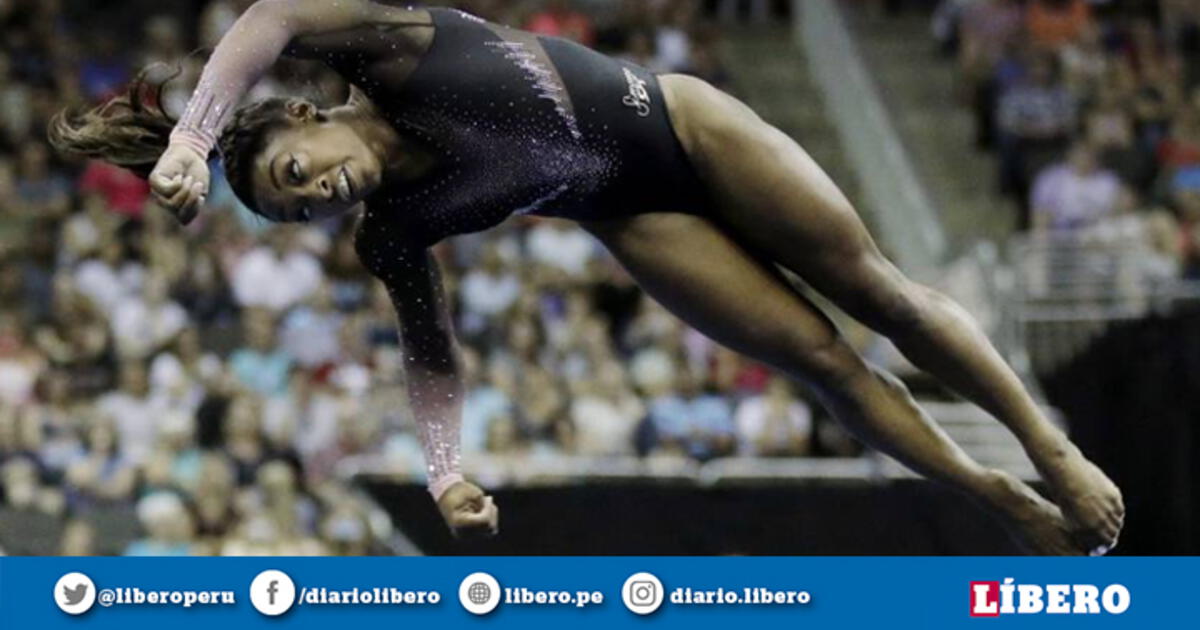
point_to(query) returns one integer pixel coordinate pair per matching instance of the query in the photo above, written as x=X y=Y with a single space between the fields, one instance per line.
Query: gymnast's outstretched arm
x=245 y=53
x=431 y=361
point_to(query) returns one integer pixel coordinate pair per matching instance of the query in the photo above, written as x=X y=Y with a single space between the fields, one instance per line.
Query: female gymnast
x=455 y=124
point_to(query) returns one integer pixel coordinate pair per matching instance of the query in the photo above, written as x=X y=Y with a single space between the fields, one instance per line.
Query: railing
x=1069 y=288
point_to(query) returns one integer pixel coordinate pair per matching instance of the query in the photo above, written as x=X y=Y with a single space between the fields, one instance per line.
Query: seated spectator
x=1185 y=196
x=1054 y=23
x=1145 y=243
x=110 y=276
x=775 y=424
x=487 y=291
x=260 y=364
x=100 y=473
x=59 y=415
x=75 y=338
x=78 y=539
x=673 y=41
x=38 y=185
x=1181 y=147
x=168 y=525
x=175 y=461
x=83 y=232
x=558 y=19
x=142 y=325
x=1075 y=194
x=204 y=291
x=20 y=362
x=183 y=373
x=541 y=403
x=487 y=399
x=640 y=49
x=693 y=423
x=123 y=192
x=212 y=495
x=23 y=489
x=561 y=246
x=278 y=275
x=1109 y=128
x=310 y=334
x=505 y=436
x=605 y=413
x=134 y=410
x=1036 y=118
x=242 y=437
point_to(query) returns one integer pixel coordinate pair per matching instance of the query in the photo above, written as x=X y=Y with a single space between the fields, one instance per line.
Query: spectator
x=558 y=19
x=1075 y=194
x=101 y=473
x=693 y=423
x=78 y=539
x=1185 y=194
x=260 y=364
x=20 y=364
x=110 y=277
x=775 y=424
x=144 y=324
x=561 y=246
x=605 y=413
x=311 y=333
x=487 y=291
x=168 y=525
x=122 y=191
x=1054 y=23
x=276 y=276
x=134 y=410
x=1036 y=118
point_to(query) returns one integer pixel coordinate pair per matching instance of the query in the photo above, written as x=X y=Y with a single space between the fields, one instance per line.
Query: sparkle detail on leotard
x=542 y=78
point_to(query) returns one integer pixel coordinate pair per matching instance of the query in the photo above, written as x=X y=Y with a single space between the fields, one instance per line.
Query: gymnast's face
x=316 y=167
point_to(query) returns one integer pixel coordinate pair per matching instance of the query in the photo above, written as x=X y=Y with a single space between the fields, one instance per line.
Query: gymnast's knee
x=831 y=366
x=908 y=309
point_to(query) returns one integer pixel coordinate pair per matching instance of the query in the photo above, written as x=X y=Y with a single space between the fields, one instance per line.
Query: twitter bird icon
x=72 y=596
x=74 y=593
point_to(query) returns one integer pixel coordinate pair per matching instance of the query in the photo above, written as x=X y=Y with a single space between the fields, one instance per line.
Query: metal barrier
x=1069 y=288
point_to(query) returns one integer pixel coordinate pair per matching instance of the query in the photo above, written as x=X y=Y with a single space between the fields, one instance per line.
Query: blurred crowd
x=209 y=380
x=1092 y=109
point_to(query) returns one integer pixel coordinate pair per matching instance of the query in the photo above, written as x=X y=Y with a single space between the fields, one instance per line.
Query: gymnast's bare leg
x=739 y=299
x=774 y=200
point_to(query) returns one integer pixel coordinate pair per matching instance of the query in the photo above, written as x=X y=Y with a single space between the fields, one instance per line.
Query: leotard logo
x=638 y=97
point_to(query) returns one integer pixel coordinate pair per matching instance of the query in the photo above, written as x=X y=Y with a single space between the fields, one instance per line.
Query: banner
x=591 y=592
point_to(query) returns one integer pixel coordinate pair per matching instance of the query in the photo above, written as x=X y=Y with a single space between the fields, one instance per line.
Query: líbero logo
x=992 y=599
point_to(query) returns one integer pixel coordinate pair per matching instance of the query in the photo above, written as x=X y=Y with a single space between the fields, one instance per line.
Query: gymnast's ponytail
x=131 y=131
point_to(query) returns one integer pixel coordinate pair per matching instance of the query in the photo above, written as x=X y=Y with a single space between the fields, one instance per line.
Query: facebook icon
x=272 y=592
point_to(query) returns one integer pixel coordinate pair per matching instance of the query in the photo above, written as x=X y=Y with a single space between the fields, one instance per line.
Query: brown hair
x=133 y=130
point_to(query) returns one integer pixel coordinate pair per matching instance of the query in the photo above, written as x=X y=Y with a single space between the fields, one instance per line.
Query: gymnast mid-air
x=454 y=124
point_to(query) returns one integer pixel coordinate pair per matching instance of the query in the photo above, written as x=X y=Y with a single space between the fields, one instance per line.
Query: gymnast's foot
x=1035 y=524
x=1089 y=500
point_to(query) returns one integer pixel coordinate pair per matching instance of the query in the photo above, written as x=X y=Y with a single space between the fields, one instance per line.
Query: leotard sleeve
x=242 y=57
x=251 y=47
x=431 y=356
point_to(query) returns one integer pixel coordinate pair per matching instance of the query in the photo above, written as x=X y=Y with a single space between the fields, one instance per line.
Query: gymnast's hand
x=469 y=512
x=180 y=181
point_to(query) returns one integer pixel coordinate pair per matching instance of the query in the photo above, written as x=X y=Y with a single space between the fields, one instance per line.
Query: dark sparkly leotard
x=522 y=124
x=517 y=124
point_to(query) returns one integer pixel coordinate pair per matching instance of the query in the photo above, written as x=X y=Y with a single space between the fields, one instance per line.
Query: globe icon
x=479 y=593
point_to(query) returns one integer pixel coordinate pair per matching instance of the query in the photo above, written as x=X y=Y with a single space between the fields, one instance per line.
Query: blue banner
x=581 y=593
